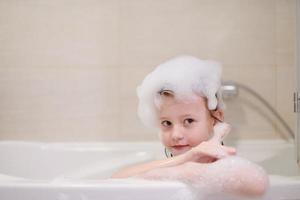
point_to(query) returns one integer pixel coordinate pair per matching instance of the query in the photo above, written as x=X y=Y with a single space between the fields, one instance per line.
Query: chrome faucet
x=230 y=89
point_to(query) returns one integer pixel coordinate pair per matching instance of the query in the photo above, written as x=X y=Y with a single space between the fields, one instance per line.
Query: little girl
x=182 y=98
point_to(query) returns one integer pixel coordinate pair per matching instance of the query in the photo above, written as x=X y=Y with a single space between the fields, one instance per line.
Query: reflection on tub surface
x=53 y=171
x=40 y=161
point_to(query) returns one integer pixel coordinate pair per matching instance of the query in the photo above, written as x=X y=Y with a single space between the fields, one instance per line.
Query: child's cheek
x=163 y=138
x=198 y=138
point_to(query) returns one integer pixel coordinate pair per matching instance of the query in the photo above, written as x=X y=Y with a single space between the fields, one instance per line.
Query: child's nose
x=177 y=133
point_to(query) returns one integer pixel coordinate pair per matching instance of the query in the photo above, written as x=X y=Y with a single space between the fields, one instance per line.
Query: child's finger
x=211 y=150
x=215 y=153
x=229 y=150
x=222 y=152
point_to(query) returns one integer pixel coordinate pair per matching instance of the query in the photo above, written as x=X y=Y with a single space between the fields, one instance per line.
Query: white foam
x=232 y=175
x=186 y=76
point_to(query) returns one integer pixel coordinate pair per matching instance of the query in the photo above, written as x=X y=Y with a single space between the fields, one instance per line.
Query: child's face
x=184 y=125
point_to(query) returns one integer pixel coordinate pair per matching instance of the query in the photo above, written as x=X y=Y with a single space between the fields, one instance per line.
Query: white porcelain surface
x=71 y=171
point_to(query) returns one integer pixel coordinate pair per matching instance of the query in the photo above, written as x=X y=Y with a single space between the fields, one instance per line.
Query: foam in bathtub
x=230 y=175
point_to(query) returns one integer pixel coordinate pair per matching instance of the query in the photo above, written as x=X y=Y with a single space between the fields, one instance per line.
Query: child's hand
x=209 y=151
x=212 y=150
x=221 y=130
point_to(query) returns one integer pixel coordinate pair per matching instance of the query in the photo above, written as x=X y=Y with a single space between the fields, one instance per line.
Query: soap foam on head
x=186 y=76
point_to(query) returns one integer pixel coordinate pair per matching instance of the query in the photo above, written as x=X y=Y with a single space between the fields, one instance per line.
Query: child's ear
x=219 y=114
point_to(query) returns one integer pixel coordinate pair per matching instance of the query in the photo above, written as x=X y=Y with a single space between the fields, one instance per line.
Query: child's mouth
x=180 y=147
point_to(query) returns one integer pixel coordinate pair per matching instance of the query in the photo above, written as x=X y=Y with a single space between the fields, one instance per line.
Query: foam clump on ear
x=186 y=76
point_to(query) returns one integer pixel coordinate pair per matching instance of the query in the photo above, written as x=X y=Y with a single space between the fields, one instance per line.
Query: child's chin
x=176 y=152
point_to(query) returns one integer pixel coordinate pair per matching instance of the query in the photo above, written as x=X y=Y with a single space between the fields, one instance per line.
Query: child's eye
x=166 y=123
x=188 y=121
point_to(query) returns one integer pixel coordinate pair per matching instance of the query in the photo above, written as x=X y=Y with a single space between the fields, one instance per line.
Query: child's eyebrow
x=163 y=118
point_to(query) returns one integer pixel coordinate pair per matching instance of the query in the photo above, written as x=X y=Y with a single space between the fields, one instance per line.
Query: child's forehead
x=173 y=108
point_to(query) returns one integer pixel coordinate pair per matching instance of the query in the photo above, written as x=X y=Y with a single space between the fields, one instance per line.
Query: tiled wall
x=69 y=69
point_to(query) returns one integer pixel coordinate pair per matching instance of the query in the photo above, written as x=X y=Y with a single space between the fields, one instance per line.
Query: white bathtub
x=81 y=171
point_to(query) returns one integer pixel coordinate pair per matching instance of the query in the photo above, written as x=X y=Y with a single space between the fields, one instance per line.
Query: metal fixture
x=230 y=89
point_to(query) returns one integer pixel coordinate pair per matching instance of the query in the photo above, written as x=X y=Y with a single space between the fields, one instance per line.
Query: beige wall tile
x=228 y=31
x=131 y=77
x=69 y=70
x=285 y=32
x=285 y=60
x=131 y=127
x=248 y=116
x=58 y=33
x=250 y=120
x=285 y=94
x=260 y=78
x=59 y=104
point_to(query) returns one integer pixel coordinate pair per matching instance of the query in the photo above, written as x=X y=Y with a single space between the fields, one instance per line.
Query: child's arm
x=141 y=168
x=205 y=152
x=232 y=175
